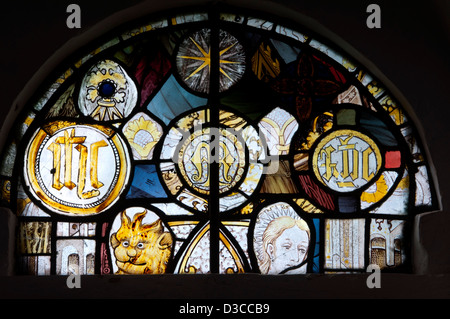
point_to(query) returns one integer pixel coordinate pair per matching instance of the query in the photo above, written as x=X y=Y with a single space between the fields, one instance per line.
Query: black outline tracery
x=259 y=200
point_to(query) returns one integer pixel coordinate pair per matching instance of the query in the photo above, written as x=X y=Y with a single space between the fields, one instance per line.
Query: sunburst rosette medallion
x=107 y=93
x=194 y=60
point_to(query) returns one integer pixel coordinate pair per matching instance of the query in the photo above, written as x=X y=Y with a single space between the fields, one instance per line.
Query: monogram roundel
x=195 y=158
x=68 y=167
x=346 y=160
x=190 y=148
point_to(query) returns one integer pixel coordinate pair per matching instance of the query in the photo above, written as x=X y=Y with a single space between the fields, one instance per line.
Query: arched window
x=214 y=141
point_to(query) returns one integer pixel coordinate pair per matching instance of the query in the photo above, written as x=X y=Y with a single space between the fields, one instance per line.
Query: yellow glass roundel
x=195 y=160
x=76 y=169
x=346 y=160
x=189 y=148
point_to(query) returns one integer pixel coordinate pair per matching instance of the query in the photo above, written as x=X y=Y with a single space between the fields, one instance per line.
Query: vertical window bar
x=213 y=203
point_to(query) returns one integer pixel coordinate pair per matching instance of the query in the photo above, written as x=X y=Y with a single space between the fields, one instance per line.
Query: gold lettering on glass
x=346 y=160
x=63 y=167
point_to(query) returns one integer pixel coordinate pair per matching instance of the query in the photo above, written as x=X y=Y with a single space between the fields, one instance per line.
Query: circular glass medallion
x=194 y=60
x=192 y=145
x=76 y=169
x=195 y=158
x=346 y=160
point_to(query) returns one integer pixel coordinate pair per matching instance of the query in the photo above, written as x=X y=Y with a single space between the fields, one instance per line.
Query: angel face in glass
x=282 y=240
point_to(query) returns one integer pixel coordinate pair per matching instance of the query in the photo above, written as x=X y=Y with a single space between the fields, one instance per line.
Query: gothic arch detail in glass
x=215 y=143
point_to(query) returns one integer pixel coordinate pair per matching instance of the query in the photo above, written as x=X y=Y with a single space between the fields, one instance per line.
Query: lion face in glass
x=141 y=248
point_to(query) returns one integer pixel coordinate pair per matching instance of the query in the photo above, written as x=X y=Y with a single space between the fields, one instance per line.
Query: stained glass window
x=214 y=142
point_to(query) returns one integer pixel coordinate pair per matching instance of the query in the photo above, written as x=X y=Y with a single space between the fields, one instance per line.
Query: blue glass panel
x=146 y=183
x=173 y=100
x=348 y=204
x=286 y=51
x=316 y=262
